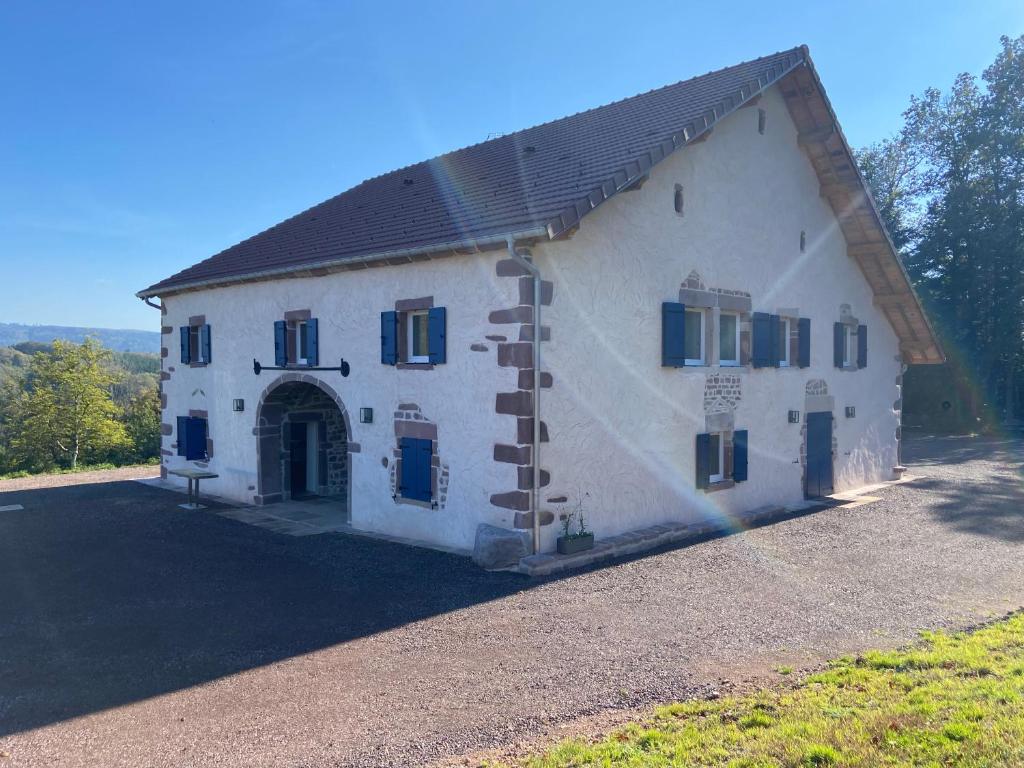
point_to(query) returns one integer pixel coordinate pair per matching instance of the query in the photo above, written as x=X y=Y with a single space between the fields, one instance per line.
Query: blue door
x=819 y=455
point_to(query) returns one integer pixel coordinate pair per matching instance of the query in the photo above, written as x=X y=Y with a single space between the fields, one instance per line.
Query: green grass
x=950 y=700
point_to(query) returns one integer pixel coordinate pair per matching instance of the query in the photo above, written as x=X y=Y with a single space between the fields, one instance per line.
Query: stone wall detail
x=410 y=422
x=518 y=353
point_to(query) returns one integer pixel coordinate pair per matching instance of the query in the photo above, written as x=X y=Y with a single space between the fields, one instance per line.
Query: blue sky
x=138 y=138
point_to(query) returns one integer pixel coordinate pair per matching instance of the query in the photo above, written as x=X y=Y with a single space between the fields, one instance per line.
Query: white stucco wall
x=459 y=396
x=621 y=426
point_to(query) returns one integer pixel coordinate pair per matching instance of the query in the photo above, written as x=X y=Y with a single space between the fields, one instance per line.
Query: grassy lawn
x=951 y=700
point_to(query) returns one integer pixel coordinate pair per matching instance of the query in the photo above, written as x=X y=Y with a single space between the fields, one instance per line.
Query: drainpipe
x=534 y=271
x=145 y=300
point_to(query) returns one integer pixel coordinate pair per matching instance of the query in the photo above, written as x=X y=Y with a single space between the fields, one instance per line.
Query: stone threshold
x=668 y=534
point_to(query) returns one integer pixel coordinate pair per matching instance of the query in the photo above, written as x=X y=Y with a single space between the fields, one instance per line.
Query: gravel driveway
x=133 y=633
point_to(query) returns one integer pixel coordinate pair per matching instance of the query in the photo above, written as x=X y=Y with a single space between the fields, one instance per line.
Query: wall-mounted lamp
x=794 y=417
x=366 y=415
x=851 y=412
x=238 y=404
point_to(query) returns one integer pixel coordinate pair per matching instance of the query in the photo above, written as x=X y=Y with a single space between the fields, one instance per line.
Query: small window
x=302 y=339
x=677 y=199
x=729 y=339
x=192 y=438
x=803 y=241
x=694 y=342
x=848 y=348
x=716 y=458
x=414 y=480
x=762 y=121
x=418 y=338
x=782 y=345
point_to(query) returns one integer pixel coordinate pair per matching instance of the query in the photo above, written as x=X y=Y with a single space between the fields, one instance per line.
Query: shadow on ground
x=988 y=499
x=111 y=594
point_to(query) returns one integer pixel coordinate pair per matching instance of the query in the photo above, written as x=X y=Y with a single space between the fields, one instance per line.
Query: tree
x=65 y=413
x=142 y=422
x=950 y=187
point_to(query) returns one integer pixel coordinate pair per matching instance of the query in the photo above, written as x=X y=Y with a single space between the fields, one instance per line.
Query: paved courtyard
x=135 y=633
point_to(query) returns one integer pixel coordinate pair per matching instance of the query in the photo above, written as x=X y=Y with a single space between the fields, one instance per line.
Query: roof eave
x=395 y=256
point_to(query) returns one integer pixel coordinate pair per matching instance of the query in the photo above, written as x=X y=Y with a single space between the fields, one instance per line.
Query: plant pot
x=568 y=545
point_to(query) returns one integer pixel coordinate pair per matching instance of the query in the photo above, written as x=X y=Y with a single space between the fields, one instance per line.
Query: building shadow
x=112 y=594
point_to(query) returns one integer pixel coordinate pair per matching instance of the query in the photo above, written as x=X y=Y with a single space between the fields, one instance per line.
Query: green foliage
x=66 y=404
x=950 y=187
x=952 y=700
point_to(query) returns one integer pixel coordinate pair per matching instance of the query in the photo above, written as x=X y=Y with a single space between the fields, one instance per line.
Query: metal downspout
x=534 y=271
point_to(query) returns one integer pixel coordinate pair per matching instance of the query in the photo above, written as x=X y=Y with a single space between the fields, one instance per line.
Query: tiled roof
x=539 y=181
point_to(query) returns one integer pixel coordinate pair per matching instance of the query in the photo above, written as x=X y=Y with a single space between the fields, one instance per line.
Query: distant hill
x=115 y=339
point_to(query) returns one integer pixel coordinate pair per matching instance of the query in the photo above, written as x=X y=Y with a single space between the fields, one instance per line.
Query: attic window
x=762 y=119
x=407 y=182
x=678 y=199
x=803 y=241
x=529 y=150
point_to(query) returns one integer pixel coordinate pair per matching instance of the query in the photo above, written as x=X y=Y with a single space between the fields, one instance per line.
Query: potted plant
x=577 y=540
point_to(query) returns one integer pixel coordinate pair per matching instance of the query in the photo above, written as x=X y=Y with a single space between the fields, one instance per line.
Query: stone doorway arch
x=291 y=401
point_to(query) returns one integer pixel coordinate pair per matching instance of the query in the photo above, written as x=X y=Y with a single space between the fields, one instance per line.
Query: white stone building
x=724 y=325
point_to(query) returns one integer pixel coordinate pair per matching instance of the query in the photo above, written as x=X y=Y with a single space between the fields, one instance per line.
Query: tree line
x=64 y=405
x=950 y=188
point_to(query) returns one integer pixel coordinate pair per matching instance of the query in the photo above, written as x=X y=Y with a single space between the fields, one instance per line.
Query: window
x=297 y=342
x=192 y=438
x=729 y=339
x=847 y=346
x=417 y=337
x=782 y=345
x=195 y=344
x=762 y=120
x=417 y=326
x=850 y=345
x=716 y=458
x=694 y=337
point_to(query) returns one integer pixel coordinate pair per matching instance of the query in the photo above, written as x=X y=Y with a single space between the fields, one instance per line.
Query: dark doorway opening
x=818 y=476
x=299 y=460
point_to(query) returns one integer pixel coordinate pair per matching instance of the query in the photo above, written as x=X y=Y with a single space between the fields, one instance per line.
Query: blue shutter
x=182 y=435
x=389 y=338
x=703 y=460
x=804 y=342
x=673 y=334
x=195 y=439
x=739 y=455
x=416 y=464
x=312 y=342
x=838 y=337
x=280 y=343
x=204 y=343
x=776 y=340
x=436 y=329
x=186 y=358
x=862 y=346
x=761 y=355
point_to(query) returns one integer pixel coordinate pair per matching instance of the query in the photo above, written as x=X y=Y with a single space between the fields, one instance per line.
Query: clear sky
x=137 y=138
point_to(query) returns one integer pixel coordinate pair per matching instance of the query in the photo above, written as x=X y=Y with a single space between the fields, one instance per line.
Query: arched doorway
x=302 y=441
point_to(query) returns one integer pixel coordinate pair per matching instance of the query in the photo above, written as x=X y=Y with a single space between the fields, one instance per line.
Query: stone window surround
x=409 y=421
x=722 y=423
x=195 y=322
x=403 y=307
x=197 y=414
x=713 y=302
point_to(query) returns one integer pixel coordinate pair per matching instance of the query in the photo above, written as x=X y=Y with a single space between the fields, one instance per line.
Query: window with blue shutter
x=204 y=343
x=862 y=346
x=312 y=341
x=280 y=343
x=778 y=340
x=436 y=330
x=763 y=345
x=804 y=342
x=838 y=344
x=192 y=437
x=673 y=334
x=186 y=352
x=414 y=482
x=389 y=338
x=739 y=455
x=703 y=479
